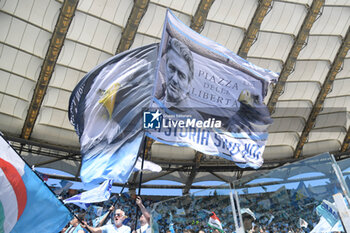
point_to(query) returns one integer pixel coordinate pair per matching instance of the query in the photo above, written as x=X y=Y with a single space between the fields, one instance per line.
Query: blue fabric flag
x=106 y=110
x=208 y=98
x=97 y=220
x=328 y=211
x=98 y=194
x=171 y=224
x=26 y=203
x=97 y=210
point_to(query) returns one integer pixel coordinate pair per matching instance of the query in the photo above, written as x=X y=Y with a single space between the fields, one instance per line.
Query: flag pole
x=139 y=191
x=115 y=202
x=81 y=221
x=143 y=159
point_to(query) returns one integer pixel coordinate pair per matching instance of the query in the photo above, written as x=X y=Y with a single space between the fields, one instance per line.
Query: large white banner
x=208 y=98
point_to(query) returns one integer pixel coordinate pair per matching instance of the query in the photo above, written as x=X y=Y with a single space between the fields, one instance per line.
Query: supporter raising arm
x=116 y=226
x=145 y=217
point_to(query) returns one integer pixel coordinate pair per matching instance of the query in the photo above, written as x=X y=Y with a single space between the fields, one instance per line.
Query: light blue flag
x=171 y=224
x=65 y=185
x=97 y=210
x=106 y=110
x=26 y=203
x=208 y=98
x=97 y=220
x=328 y=211
x=98 y=194
x=324 y=226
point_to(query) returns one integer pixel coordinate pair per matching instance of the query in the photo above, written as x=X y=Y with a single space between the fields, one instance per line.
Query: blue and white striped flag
x=329 y=211
x=98 y=194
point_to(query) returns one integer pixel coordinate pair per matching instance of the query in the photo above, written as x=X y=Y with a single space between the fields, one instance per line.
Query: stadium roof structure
x=47 y=46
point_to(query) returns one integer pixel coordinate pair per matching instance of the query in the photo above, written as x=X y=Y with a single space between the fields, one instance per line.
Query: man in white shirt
x=116 y=226
x=145 y=217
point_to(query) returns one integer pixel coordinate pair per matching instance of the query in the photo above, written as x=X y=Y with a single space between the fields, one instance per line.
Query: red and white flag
x=215 y=223
x=26 y=203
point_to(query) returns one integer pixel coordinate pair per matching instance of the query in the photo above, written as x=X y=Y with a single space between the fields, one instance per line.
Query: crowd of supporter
x=191 y=212
x=93 y=213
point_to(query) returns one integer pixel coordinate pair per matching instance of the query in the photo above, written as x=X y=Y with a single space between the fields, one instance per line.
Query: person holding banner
x=179 y=74
x=248 y=219
x=116 y=226
x=145 y=218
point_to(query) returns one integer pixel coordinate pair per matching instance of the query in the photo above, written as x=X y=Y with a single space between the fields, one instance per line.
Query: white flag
x=147 y=166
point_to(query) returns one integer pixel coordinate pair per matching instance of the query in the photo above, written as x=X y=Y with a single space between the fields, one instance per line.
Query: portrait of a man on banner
x=200 y=81
x=177 y=74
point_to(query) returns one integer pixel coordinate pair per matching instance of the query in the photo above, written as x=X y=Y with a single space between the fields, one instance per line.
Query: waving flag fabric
x=210 y=99
x=324 y=226
x=171 y=224
x=65 y=185
x=147 y=166
x=98 y=194
x=215 y=223
x=106 y=111
x=329 y=211
x=26 y=203
x=97 y=220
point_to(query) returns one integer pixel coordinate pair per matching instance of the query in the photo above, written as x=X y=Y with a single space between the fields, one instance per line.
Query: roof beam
x=77 y=174
x=254 y=27
x=52 y=161
x=237 y=186
x=163 y=174
x=45 y=145
x=222 y=168
x=193 y=173
x=346 y=142
x=149 y=143
x=129 y=32
x=132 y=185
x=219 y=177
x=327 y=85
x=56 y=43
x=298 y=45
x=199 y=18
